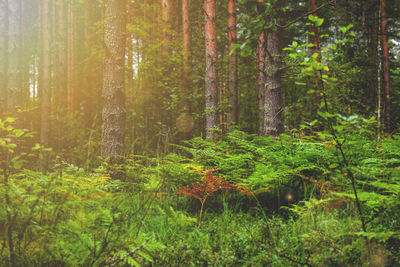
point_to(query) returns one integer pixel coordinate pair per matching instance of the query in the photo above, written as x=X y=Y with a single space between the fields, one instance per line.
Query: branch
x=306 y=14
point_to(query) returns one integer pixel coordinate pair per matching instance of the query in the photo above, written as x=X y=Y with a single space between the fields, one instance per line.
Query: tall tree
x=60 y=93
x=186 y=52
x=211 y=82
x=386 y=67
x=45 y=96
x=114 y=112
x=269 y=79
x=232 y=75
x=71 y=57
x=15 y=85
x=166 y=17
x=3 y=54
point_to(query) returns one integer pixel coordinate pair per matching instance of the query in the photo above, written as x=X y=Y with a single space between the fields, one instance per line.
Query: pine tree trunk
x=61 y=70
x=15 y=88
x=114 y=113
x=87 y=98
x=211 y=90
x=165 y=13
x=269 y=83
x=3 y=55
x=232 y=75
x=270 y=88
x=71 y=58
x=46 y=89
x=386 y=67
x=186 y=53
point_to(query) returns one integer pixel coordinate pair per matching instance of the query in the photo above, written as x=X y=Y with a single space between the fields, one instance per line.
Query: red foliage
x=209 y=185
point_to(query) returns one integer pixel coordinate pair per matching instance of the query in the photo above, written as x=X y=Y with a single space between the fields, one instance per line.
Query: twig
x=305 y=14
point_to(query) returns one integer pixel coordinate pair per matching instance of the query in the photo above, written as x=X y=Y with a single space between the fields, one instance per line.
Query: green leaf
x=319 y=22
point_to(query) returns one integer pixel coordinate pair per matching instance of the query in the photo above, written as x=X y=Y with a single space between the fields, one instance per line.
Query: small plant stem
x=9 y=220
x=201 y=209
x=339 y=146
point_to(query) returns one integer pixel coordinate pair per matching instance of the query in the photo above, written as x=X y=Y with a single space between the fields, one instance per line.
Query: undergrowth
x=301 y=210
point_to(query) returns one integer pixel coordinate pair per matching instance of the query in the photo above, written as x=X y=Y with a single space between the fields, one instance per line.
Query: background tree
x=114 y=113
x=3 y=55
x=233 y=77
x=14 y=84
x=211 y=83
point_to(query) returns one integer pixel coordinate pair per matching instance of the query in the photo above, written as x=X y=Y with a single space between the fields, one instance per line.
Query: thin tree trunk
x=386 y=67
x=211 y=83
x=3 y=55
x=46 y=89
x=233 y=76
x=88 y=69
x=114 y=113
x=71 y=58
x=186 y=53
x=61 y=70
x=15 y=88
x=165 y=13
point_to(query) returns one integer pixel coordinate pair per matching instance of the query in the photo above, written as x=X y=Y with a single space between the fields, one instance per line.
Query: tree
x=45 y=100
x=269 y=79
x=15 y=86
x=166 y=10
x=232 y=75
x=71 y=57
x=386 y=67
x=3 y=54
x=60 y=92
x=211 y=90
x=186 y=52
x=113 y=93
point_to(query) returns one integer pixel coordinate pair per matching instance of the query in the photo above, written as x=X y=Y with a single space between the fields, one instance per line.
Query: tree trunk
x=3 y=55
x=186 y=53
x=211 y=90
x=269 y=83
x=165 y=13
x=114 y=113
x=232 y=75
x=61 y=92
x=71 y=58
x=87 y=96
x=46 y=89
x=386 y=67
x=15 y=85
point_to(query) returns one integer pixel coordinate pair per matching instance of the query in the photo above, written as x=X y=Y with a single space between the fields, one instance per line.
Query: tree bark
x=386 y=67
x=46 y=83
x=165 y=13
x=269 y=82
x=232 y=75
x=186 y=53
x=113 y=93
x=71 y=58
x=3 y=55
x=15 y=84
x=61 y=70
x=211 y=90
